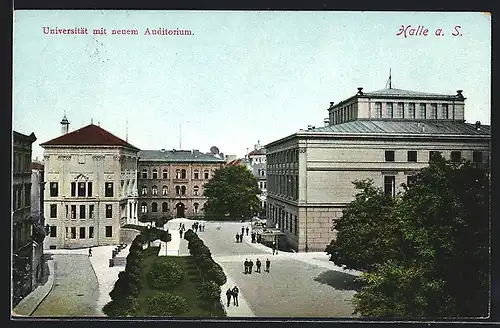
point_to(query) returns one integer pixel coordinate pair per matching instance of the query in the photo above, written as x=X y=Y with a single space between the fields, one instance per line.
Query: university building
x=171 y=182
x=91 y=187
x=386 y=136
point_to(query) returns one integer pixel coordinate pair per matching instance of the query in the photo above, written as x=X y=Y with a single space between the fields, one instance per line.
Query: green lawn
x=186 y=289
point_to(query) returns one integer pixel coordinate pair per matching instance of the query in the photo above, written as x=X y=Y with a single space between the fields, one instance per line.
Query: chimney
x=360 y=92
x=478 y=125
x=64 y=125
x=331 y=104
x=326 y=121
x=459 y=94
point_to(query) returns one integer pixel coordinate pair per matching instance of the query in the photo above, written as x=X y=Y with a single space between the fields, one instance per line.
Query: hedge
x=161 y=304
x=164 y=273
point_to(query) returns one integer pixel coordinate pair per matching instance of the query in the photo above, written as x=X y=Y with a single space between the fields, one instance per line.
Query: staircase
x=116 y=260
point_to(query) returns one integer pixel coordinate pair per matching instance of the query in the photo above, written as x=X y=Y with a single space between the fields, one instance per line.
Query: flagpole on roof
x=390 y=79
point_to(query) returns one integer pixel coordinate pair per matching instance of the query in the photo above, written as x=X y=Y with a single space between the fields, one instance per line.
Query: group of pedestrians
x=239 y=237
x=198 y=227
x=248 y=264
x=232 y=294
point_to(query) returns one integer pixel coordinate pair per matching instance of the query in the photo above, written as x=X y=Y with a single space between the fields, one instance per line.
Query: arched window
x=177 y=190
x=155 y=174
x=177 y=174
x=144 y=190
x=144 y=173
x=205 y=174
x=183 y=190
x=196 y=189
x=165 y=174
x=183 y=174
x=196 y=205
x=164 y=207
x=196 y=174
x=155 y=190
x=144 y=207
x=164 y=191
x=154 y=207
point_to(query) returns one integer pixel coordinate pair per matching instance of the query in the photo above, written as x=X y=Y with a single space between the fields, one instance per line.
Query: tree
x=232 y=191
x=435 y=261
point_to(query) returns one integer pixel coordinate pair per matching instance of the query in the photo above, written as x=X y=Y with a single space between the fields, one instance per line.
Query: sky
x=239 y=78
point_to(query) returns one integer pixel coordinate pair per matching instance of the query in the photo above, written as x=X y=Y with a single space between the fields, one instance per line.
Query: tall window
x=53 y=210
x=477 y=157
x=378 y=109
x=91 y=232
x=144 y=173
x=155 y=174
x=144 y=190
x=401 y=110
x=73 y=232
x=196 y=174
x=412 y=155
x=183 y=190
x=183 y=174
x=81 y=189
x=91 y=211
x=422 y=111
x=89 y=189
x=196 y=190
x=144 y=207
x=154 y=207
x=390 y=113
x=82 y=211
x=108 y=189
x=434 y=111
x=154 y=190
x=54 y=189
x=73 y=212
x=296 y=225
x=164 y=207
x=109 y=231
x=53 y=231
x=411 y=110
x=456 y=156
x=389 y=155
x=73 y=189
x=389 y=185
x=196 y=205
x=432 y=153
x=82 y=232
x=164 y=190
x=205 y=174
x=109 y=211
x=165 y=174
x=177 y=174
x=444 y=111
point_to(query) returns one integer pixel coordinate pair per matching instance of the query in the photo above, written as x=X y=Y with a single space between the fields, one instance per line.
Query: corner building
x=91 y=187
x=386 y=136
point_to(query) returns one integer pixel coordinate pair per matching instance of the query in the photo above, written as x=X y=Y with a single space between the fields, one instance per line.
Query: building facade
x=386 y=136
x=38 y=217
x=27 y=234
x=256 y=162
x=171 y=182
x=91 y=187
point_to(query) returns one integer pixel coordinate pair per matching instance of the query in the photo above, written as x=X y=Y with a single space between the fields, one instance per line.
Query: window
x=477 y=157
x=27 y=194
x=109 y=211
x=196 y=174
x=144 y=173
x=144 y=190
x=73 y=212
x=155 y=174
x=196 y=190
x=109 y=231
x=53 y=231
x=444 y=111
x=66 y=214
x=154 y=190
x=412 y=155
x=82 y=232
x=389 y=155
x=73 y=189
x=53 y=210
x=164 y=207
x=91 y=232
x=91 y=211
x=411 y=110
x=144 y=207
x=196 y=205
x=432 y=154
x=263 y=172
x=401 y=110
x=422 y=111
x=205 y=174
x=81 y=159
x=165 y=174
x=390 y=112
x=66 y=232
x=410 y=180
x=183 y=174
x=89 y=189
x=82 y=211
x=108 y=189
x=378 y=109
x=177 y=190
x=456 y=156
x=164 y=191
x=73 y=232
x=177 y=174
x=389 y=185
x=54 y=190
x=183 y=190
x=81 y=189
x=154 y=207
x=296 y=225
x=434 y=111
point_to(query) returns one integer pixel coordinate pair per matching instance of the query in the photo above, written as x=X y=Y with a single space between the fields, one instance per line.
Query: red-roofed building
x=91 y=179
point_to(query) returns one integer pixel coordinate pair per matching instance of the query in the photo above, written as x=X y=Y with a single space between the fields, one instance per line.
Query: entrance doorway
x=181 y=208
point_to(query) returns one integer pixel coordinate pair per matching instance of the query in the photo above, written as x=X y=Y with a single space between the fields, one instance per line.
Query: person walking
x=247 y=230
x=229 y=295
x=268 y=265
x=253 y=238
x=250 y=266
x=242 y=230
x=258 y=264
x=246 y=263
x=237 y=238
x=180 y=233
x=90 y=251
x=235 y=295
x=241 y=238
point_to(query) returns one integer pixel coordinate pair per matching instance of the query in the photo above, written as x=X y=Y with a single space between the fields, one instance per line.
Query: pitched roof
x=405 y=127
x=261 y=151
x=406 y=93
x=90 y=135
x=177 y=156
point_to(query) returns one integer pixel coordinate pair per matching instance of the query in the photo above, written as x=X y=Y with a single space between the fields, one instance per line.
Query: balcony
x=175 y=180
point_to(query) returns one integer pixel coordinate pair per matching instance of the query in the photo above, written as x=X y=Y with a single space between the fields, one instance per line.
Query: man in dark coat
x=242 y=230
x=246 y=263
x=258 y=264
x=247 y=230
x=237 y=238
x=235 y=295
x=229 y=294
x=268 y=265
x=250 y=265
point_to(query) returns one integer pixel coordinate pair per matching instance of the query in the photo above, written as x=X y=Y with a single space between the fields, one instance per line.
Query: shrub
x=209 y=291
x=121 y=308
x=125 y=286
x=161 y=304
x=217 y=275
x=165 y=273
x=189 y=235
